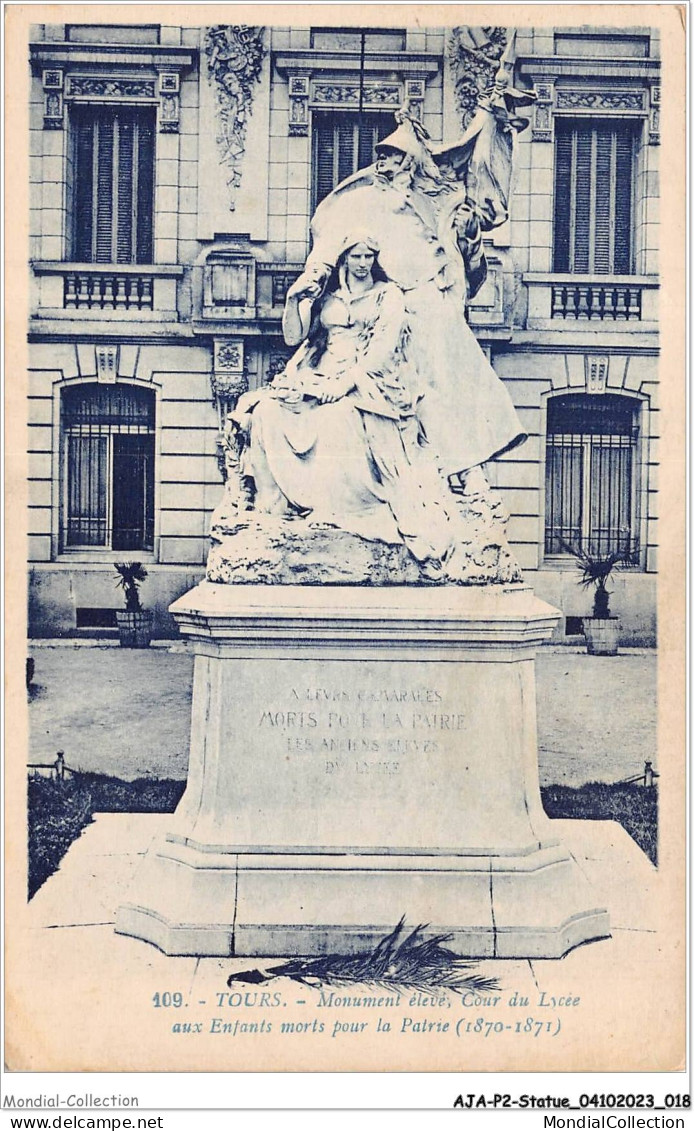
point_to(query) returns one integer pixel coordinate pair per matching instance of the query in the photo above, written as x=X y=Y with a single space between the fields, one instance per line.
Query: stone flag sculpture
x=381 y=421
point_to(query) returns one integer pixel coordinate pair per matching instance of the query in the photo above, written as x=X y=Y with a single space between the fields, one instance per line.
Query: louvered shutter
x=340 y=147
x=623 y=203
x=125 y=157
x=582 y=199
x=104 y=190
x=593 y=184
x=603 y=145
x=562 y=198
x=113 y=195
x=323 y=157
x=346 y=129
x=145 y=187
x=83 y=188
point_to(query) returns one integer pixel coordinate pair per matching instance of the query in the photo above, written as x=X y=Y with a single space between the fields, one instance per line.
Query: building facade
x=174 y=171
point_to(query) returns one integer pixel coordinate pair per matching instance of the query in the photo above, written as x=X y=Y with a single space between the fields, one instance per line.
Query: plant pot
x=602 y=635
x=135 y=629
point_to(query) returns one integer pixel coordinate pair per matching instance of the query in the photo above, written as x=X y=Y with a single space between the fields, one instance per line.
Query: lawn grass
x=630 y=804
x=59 y=810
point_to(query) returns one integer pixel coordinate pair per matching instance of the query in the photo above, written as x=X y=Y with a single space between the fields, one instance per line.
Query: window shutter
x=623 y=202
x=345 y=130
x=113 y=191
x=145 y=187
x=340 y=148
x=323 y=158
x=104 y=189
x=593 y=197
x=582 y=195
x=126 y=187
x=83 y=188
x=604 y=195
x=562 y=199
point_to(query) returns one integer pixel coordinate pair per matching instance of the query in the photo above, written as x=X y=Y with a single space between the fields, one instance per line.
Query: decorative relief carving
x=599 y=99
x=298 y=105
x=53 y=107
x=542 y=112
x=169 y=102
x=414 y=96
x=228 y=386
x=107 y=364
x=228 y=355
x=347 y=94
x=234 y=62
x=88 y=86
x=474 y=54
x=654 y=117
x=228 y=381
x=596 y=374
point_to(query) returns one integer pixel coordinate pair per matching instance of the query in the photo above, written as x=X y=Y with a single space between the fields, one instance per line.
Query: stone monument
x=363 y=741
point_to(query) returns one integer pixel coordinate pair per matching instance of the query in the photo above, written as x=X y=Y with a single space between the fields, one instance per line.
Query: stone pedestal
x=358 y=755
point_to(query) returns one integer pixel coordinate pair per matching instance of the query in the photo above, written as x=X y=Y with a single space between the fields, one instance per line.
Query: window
x=589 y=475
x=108 y=436
x=593 y=197
x=340 y=147
x=113 y=184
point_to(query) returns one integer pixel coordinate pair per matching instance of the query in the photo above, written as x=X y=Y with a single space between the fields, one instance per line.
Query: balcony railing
x=554 y=300
x=73 y=289
x=107 y=292
x=616 y=301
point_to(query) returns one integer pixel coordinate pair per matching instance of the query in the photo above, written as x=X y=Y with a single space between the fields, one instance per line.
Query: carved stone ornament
x=234 y=62
x=228 y=386
x=107 y=364
x=229 y=355
x=543 y=118
x=347 y=94
x=298 y=105
x=654 y=117
x=599 y=99
x=169 y=102
x=88 y=86
x=53 y=106
x=596 y=374
x=474 y=54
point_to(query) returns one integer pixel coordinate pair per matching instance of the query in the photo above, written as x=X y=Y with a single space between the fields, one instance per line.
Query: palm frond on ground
x=399 y=961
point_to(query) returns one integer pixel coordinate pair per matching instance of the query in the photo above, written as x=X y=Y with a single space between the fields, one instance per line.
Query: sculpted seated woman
x=336 y=437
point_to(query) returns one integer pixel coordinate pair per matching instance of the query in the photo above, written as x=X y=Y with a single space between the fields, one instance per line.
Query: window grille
x=590 y=474
x=113 y=188
x=108 y=436
x=593 y=197
x=339 y=148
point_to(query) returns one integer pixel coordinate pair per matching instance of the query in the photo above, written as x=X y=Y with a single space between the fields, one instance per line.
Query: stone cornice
x=582 y=67
x=376 y=62
x=153 y=56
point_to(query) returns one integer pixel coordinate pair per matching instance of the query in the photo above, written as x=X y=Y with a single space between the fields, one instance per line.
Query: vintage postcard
x=345 y=555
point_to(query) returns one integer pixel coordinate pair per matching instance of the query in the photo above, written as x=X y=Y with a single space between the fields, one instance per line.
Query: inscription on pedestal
x=362 y=730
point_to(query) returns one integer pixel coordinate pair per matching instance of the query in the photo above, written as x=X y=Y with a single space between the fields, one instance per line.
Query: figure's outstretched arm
x=296 y=319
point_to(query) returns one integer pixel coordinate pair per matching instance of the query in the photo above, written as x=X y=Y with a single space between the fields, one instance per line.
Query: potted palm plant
x=602 y=628
x=134 y=623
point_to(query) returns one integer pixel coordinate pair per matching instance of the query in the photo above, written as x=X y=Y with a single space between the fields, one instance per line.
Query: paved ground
x=100 y=985
x=127 y=713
